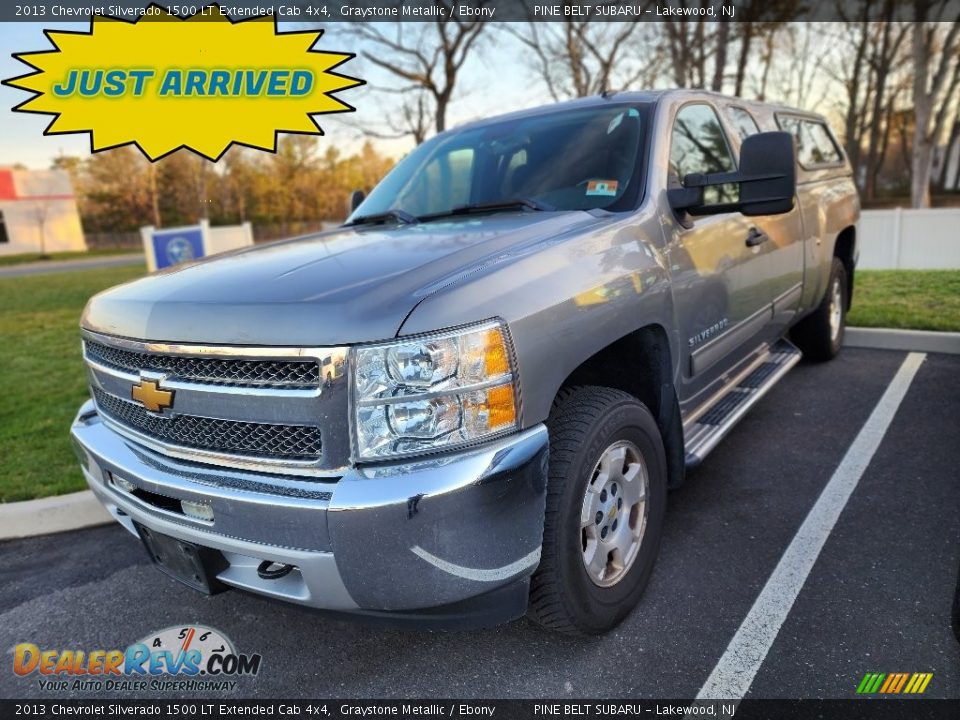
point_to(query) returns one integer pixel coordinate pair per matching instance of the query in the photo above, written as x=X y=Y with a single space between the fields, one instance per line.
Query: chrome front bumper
x=395 y=539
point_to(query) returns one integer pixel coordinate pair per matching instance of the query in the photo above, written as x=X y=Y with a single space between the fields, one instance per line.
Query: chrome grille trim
x=266 y=428
x=296 y=374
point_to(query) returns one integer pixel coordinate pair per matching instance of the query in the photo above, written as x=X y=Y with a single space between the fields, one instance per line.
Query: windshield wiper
x=520 y=203
x=401 y=216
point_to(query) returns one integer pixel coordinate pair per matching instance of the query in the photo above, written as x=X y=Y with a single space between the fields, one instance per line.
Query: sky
x=492 y=82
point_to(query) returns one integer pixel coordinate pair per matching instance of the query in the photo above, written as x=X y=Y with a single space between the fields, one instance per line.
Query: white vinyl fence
x=909 y=239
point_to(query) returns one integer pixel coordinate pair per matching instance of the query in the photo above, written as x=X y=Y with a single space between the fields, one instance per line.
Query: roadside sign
x=166 y=247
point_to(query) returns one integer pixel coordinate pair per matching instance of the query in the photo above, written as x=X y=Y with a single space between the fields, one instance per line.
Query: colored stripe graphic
x=870 y=683
x=923 y=679
x=894 y=683
x=891 y=681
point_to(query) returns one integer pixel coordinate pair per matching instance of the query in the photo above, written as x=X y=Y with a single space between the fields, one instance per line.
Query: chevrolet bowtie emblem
x=148 y=393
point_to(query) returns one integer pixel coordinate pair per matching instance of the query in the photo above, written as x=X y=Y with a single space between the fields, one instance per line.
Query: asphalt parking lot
x=878 y=598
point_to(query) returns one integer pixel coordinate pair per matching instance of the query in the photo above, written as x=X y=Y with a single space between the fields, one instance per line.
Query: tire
x=816 y=335
x=586 y=424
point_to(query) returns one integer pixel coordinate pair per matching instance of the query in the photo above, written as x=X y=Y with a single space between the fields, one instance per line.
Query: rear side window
x=815 y=145
x=743 y=121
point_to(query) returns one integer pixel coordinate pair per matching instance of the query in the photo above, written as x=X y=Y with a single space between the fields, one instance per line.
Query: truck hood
x=345 y=286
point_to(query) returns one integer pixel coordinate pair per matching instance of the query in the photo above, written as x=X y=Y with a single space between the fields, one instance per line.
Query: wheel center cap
x=612 y=514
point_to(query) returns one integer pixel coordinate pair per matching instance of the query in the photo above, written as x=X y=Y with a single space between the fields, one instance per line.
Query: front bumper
x=459 y=532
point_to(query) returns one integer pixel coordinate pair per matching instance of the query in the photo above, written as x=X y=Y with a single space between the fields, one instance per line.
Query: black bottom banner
x=880 y=709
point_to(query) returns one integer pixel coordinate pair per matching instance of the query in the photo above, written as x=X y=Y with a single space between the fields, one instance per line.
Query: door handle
x=755 y=237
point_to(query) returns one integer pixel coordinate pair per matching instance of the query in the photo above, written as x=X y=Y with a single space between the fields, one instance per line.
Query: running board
x=703 y=434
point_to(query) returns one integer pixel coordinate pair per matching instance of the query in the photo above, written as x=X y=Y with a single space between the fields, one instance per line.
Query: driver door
x=719 y=296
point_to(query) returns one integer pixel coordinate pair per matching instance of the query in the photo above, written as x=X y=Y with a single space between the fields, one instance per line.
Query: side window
x=743 y=121
x=815 y=146
x=699 y=145
x=824 y=147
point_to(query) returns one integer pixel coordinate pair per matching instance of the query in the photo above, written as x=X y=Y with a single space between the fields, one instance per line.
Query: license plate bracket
x=192 y=564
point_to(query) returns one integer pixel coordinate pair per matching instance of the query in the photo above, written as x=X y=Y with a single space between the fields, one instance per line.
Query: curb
x=909 y=340
x=51 y=515
x=82 y=509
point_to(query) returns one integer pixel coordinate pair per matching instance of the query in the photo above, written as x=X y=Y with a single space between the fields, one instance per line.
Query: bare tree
x=41 y=211
x=426 y=58
x=757 y=20
x=868 y=65
x=936 y=77
x=689 y=43
x=796 y=71
x=578 y=58
x=886 y=44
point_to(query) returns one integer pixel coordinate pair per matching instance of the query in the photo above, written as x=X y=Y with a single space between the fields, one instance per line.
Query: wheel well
x=843 y=249
x=640 y=364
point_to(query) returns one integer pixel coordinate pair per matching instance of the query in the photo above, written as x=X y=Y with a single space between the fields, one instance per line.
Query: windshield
x=570 y=160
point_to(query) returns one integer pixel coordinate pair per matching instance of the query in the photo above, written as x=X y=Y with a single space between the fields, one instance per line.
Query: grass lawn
x=907 y=299
x=74 y=255
x=42 y=381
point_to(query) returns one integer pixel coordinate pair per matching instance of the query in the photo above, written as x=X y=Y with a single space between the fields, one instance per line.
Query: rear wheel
x=820 y=334
x=606 y=498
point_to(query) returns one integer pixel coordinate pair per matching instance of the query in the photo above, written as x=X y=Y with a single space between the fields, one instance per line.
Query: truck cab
x=468 y=403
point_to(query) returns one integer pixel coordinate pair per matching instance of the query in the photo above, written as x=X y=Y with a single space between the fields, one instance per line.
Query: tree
x=41 y=209
x=868 y=64
x=113 y=191
x=581 y=58
x=426 y=59
x=756 y=20
x=936 y=77
x=888 y=39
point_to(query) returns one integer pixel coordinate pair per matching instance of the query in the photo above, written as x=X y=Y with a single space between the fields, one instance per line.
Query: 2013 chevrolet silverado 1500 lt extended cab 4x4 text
x=468 y=402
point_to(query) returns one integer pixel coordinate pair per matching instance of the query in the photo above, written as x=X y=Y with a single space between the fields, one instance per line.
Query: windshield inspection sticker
x=606 y=188
x=163 y=83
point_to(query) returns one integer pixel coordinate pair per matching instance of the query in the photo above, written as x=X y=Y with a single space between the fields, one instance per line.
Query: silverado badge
x=148 y=393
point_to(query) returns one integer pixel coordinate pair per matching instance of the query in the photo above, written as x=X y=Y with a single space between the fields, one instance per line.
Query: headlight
x=432 y=392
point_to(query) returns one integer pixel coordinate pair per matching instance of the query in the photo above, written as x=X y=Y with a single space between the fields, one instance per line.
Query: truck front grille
x=282 y=442
x=235 y=372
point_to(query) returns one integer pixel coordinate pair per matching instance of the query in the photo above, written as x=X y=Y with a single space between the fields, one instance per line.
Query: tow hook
x=269 y=570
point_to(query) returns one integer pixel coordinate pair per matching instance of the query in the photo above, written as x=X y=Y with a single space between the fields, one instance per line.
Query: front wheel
x=606 y=497
x=820 y=334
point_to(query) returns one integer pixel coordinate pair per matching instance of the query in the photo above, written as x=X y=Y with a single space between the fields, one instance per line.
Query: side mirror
x=354 y=199
x=765 y=184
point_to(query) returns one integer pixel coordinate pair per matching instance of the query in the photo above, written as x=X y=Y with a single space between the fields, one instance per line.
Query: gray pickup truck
x=469 y=401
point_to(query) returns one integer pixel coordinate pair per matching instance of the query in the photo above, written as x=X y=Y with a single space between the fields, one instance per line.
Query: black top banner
x=329 y=11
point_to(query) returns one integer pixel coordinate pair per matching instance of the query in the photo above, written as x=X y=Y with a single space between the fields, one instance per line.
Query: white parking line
x=736 y=669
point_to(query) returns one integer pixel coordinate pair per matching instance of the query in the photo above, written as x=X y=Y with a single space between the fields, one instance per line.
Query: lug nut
x=603 y=533
x=615 y=525
x=613 y=489
x=619 y=503
x=599 y=517
x=603 y=496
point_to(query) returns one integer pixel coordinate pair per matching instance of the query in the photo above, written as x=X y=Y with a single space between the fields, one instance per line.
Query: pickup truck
x=468 y=403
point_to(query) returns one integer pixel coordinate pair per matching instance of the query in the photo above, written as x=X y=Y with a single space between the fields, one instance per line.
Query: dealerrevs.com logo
x=175 y=659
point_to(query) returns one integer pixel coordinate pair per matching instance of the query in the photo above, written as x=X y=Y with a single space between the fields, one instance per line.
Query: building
x=38 y=212
x=946 y=170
